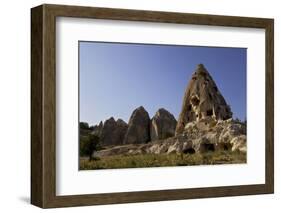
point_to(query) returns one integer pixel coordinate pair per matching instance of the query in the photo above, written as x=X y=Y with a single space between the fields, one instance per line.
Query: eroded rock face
x=120 y=131
x=239 y=143
x=97 y=129
x=231 y=130
x=202 y=100
x=138 y=127
x=113 y=132
x=163 y=125
x=106 y=132
x=192 y=140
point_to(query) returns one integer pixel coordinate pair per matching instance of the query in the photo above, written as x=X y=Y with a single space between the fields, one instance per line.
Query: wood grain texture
x=36 y=106
x=269 y=118
x=43 y=105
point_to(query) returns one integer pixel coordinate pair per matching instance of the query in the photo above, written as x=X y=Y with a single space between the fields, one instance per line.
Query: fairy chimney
x=202 y=99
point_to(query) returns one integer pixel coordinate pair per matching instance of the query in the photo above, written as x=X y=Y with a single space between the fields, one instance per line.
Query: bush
x=88 y=145
x=84 y=125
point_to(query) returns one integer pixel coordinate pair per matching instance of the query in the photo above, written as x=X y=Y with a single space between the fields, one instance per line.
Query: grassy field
x=159 y=160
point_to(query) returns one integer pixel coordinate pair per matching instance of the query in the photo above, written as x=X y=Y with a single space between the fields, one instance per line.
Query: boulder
x=230 y=130
x=202 y=99
x=239 y=144
x=163 y=125
x=175 y=148
x=138 y=127
x=154 y=149
x=203 y=145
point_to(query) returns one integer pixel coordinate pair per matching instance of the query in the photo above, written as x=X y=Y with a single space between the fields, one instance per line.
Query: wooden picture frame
x=43 y=105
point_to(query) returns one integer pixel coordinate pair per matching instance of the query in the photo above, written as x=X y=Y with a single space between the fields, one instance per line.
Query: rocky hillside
x=198 y=137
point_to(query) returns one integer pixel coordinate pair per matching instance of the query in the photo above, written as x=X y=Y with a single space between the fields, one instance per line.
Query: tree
x=88 y=145
x=84 y=125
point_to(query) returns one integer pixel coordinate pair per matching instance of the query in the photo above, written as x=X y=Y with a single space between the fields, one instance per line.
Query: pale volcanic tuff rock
x=202 y=99
x=195 y=139
x=163 y=125
x=138 y=127
x=113 y=132
x=239 y=143
x=216 y=135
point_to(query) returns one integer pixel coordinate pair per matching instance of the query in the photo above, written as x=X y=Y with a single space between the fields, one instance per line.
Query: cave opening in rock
x=225 y=147
x=208 y=147
x=209 y=112
x=189 y=151
x=195 y=101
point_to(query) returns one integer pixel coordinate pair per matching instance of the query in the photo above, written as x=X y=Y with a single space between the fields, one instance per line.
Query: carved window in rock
x=195 y=101
x=209 y=112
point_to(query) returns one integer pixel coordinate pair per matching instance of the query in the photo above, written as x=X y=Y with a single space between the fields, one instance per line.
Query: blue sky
x=116 y=78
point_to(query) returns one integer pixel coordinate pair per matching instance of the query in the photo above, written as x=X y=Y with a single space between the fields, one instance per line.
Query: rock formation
x=113 y=132
x=163 y=125
x=138 y=129
x=120 y=131
x=202 y=100
x=96 y=130
x=224 y=135
x=205 y=124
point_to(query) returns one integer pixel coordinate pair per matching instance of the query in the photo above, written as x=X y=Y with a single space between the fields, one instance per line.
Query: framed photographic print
x=136 y=106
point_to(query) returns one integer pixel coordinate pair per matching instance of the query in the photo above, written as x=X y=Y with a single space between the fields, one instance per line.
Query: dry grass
x=159 y=160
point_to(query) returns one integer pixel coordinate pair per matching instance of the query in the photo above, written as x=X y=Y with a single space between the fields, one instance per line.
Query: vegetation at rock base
x=160 y=160
x=89 y=145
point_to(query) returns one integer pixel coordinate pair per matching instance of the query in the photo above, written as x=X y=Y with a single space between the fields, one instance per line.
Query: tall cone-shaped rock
x=138 y=127
x=202 y=99
x=163 y=125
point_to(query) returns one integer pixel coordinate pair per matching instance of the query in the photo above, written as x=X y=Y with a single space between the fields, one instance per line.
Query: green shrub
x=88 y=145
x=84 y=125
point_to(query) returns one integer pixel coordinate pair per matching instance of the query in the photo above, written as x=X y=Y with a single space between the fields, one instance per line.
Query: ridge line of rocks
x=140 y=128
